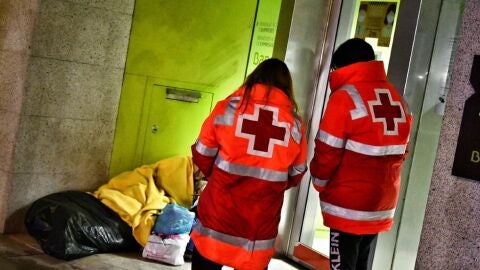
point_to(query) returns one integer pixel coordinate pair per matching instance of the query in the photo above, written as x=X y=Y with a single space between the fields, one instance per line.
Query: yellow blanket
x=139 y=194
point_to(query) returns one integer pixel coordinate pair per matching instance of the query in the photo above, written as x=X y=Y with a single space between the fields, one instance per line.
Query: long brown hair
x=271 y=72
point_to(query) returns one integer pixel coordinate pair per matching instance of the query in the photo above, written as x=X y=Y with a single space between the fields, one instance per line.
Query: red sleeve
x=299 y=166
x=205 y=149
x=331 y=138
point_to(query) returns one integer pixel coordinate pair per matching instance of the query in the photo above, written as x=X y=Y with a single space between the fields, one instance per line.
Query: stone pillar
x=16 y=23
x=451 y=231
x=70 y=100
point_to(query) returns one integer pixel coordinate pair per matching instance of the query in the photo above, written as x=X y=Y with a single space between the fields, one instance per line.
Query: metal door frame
x=413 y=15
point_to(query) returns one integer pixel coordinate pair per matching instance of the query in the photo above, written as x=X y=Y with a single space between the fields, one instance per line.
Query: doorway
x=183 y=57
x=417 y=46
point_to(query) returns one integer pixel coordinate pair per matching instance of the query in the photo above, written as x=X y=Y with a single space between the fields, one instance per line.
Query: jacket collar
x=359 y=72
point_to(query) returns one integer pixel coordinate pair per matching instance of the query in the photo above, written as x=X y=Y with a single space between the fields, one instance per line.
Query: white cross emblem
x=387 y=111
x=262 y=130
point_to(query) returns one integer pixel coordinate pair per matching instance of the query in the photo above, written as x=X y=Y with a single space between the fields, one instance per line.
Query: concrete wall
x=451 y=232
x=71 y=94
x=16 y=24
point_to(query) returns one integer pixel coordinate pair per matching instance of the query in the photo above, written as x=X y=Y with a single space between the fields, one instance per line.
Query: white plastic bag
x=166 y=248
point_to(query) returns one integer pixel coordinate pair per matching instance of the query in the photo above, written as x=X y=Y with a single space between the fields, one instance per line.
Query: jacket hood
x=359 y=72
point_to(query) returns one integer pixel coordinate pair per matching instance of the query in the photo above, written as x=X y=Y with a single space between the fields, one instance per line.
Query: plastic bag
x=166 y=248
x=72 y=224
x=174 y=219
x=191 y=245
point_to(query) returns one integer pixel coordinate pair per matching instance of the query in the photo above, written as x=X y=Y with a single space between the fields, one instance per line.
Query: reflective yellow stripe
x=234 y=240
x=205 y=150
x=373 y=150
x=355 y=214
x=244 y=170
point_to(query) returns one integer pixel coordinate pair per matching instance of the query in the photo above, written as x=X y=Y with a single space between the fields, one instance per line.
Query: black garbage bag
x=73 y=224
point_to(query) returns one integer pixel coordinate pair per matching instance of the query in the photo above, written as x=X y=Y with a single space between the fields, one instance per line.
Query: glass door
x=420 y=60
x=375 y=22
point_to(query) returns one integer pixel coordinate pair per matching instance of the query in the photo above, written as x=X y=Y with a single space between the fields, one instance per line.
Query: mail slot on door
x=183 y=94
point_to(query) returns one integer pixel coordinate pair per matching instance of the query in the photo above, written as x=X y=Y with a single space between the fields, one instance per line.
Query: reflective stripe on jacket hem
x=205 y=150
x=244 y=170
x=355 y=214
x=237 y=241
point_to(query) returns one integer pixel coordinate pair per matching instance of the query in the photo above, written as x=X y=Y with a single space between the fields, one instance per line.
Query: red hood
x=372 y=71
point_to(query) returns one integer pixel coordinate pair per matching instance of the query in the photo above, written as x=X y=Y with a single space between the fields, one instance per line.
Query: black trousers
x=349 y=251
x=201 y=263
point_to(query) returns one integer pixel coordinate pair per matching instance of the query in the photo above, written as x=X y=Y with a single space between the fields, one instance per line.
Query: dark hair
x=391 y=7
x=352 y=51
x=273 y=73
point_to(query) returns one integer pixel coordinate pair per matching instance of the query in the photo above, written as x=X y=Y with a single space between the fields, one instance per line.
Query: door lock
x=154 y=128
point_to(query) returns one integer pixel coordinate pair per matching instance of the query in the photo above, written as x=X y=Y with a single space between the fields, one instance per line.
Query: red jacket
x=359 y=150
x=250 y=156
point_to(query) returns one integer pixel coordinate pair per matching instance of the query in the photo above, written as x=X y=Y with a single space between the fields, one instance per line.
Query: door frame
x=315 y=111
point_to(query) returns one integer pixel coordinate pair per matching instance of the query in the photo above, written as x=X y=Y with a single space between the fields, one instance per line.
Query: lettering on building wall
x=467 y=155
x=475 y=157
x=258 y=58
x=264 y=33
x=264 y=41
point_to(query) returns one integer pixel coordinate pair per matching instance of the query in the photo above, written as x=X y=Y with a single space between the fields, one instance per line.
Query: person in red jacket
x=359 y=150
x=252 y=149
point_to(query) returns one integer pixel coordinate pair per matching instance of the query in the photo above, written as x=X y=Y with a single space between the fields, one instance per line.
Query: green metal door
x=205 y=46
x=173 y=121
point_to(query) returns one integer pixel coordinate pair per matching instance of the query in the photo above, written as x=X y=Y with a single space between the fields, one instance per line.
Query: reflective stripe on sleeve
x=205 y=150
x=319 y=182
x=296 y=135
x=227 y=118
x=297 y=169
x=234 y=240
x=360 y=108
x=329 y=139
x=243 y=170
x=373 y=150
x=355 y=214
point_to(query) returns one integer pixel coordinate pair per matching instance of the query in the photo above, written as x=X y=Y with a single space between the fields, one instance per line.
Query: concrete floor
x=20 y=251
